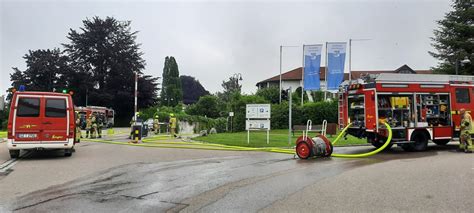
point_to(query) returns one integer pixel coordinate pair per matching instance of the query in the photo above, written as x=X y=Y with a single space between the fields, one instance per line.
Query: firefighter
x=100 y=125
x=88 y=126
x=94 y=126
x=78 y=128
x=172 y=123
x=466 y=131
x=156 y=124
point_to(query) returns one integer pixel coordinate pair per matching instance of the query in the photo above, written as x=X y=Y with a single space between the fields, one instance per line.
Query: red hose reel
x=318 y=146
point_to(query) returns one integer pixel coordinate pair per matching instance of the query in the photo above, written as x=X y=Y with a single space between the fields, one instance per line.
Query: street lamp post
x=464 y=61
x=350 y=53
x=237 y=76
x=281 y=51
x=136 y=95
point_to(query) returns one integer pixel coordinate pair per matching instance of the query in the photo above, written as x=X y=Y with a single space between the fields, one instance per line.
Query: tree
x=230 y=87
x=192 y=89
x=106 y=56
x=454 y=39
x=206 y=106
x=171 y=94
x=46 y=70
x=270 y=94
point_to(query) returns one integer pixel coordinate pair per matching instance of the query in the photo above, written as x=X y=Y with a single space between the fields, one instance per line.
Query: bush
x=316 y=112
x=4 y=119
x=319 y=111
x=271 y=94
x=206 y=106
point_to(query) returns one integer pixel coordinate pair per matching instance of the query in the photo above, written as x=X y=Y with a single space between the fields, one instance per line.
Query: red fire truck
x=107 y=113
x=418 y=108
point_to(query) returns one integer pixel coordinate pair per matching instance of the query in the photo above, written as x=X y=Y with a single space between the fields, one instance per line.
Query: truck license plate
x=24 y=135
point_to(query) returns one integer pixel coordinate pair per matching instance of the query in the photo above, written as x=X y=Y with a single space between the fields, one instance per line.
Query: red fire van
x=41 y=120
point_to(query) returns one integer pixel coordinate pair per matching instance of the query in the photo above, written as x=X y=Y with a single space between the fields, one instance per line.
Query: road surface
x=118 y=178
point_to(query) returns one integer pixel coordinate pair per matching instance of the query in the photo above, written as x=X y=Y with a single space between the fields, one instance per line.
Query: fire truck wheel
x=68 y=152
x=420 y=144
x=14 y=153
x=441 y=142
x=379 y=143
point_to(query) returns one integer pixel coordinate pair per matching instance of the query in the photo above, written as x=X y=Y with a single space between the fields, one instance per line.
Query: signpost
x=231 y=115
x=258 y=118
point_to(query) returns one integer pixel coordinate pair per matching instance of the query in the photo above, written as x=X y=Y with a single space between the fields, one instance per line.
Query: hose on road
x=211 y=146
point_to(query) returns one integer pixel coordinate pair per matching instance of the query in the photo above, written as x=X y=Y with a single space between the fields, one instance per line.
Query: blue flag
x=336 y=53
x=312 y=63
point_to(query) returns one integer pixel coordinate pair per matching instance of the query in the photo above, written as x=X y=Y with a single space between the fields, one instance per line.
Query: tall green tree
x=192 y=89
x=231 y=87
x=171 y=94
x=454 y=39
x=46 y=70
x=106 y=56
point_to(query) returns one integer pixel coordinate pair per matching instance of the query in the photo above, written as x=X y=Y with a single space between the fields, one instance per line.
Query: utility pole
x=289 y=116
x=281 y=48
x=281 y=51
x=350 y=53
x=136 y=95
x=302 y=79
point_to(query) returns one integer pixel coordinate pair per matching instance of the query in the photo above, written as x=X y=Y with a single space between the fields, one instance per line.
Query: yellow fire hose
x=368 y=153
x=210 y=146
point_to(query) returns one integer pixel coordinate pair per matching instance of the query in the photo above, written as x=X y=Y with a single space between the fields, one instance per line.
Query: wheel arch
x=428 y=133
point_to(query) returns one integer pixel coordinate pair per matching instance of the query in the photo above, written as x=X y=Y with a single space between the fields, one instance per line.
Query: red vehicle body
x=418 y=108
x=107 y=113
x=41 y=120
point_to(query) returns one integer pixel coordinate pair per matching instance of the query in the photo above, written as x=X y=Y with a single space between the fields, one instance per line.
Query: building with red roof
x=293 y=78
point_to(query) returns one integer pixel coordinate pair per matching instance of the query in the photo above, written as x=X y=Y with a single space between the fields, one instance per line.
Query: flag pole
x=281 y=47
x=302 y=80
x=326 y=73
x=350 y=57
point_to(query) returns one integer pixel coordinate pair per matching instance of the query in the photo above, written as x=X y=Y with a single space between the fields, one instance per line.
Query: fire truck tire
x=302 y=150
x=14 y=153
x=420 y=144
x=68 y=152
x=441 y=142
x=379 y=143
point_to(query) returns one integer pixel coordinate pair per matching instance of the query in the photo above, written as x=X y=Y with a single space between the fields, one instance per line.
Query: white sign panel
x=258 y=111
x=257 y=124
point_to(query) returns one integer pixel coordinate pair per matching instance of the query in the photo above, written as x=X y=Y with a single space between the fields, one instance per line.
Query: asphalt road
x=115 y=178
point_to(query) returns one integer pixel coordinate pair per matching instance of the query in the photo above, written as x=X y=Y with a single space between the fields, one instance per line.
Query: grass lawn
x=3 y=134
x=278 y=138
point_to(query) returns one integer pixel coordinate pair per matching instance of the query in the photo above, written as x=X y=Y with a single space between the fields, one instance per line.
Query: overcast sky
x=212 y=40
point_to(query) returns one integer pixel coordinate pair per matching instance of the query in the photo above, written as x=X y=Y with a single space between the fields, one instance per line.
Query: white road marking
x=10 y=163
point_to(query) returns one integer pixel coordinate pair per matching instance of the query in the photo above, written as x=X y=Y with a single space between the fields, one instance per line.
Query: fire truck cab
x=417 y=107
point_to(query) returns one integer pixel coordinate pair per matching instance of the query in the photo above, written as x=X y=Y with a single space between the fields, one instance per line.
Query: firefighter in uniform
x=94 y=126
x=156 y=125
x=466 y=131
x=172 y=124
x=78 y=128
x=100 y=125
x=88 y=126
